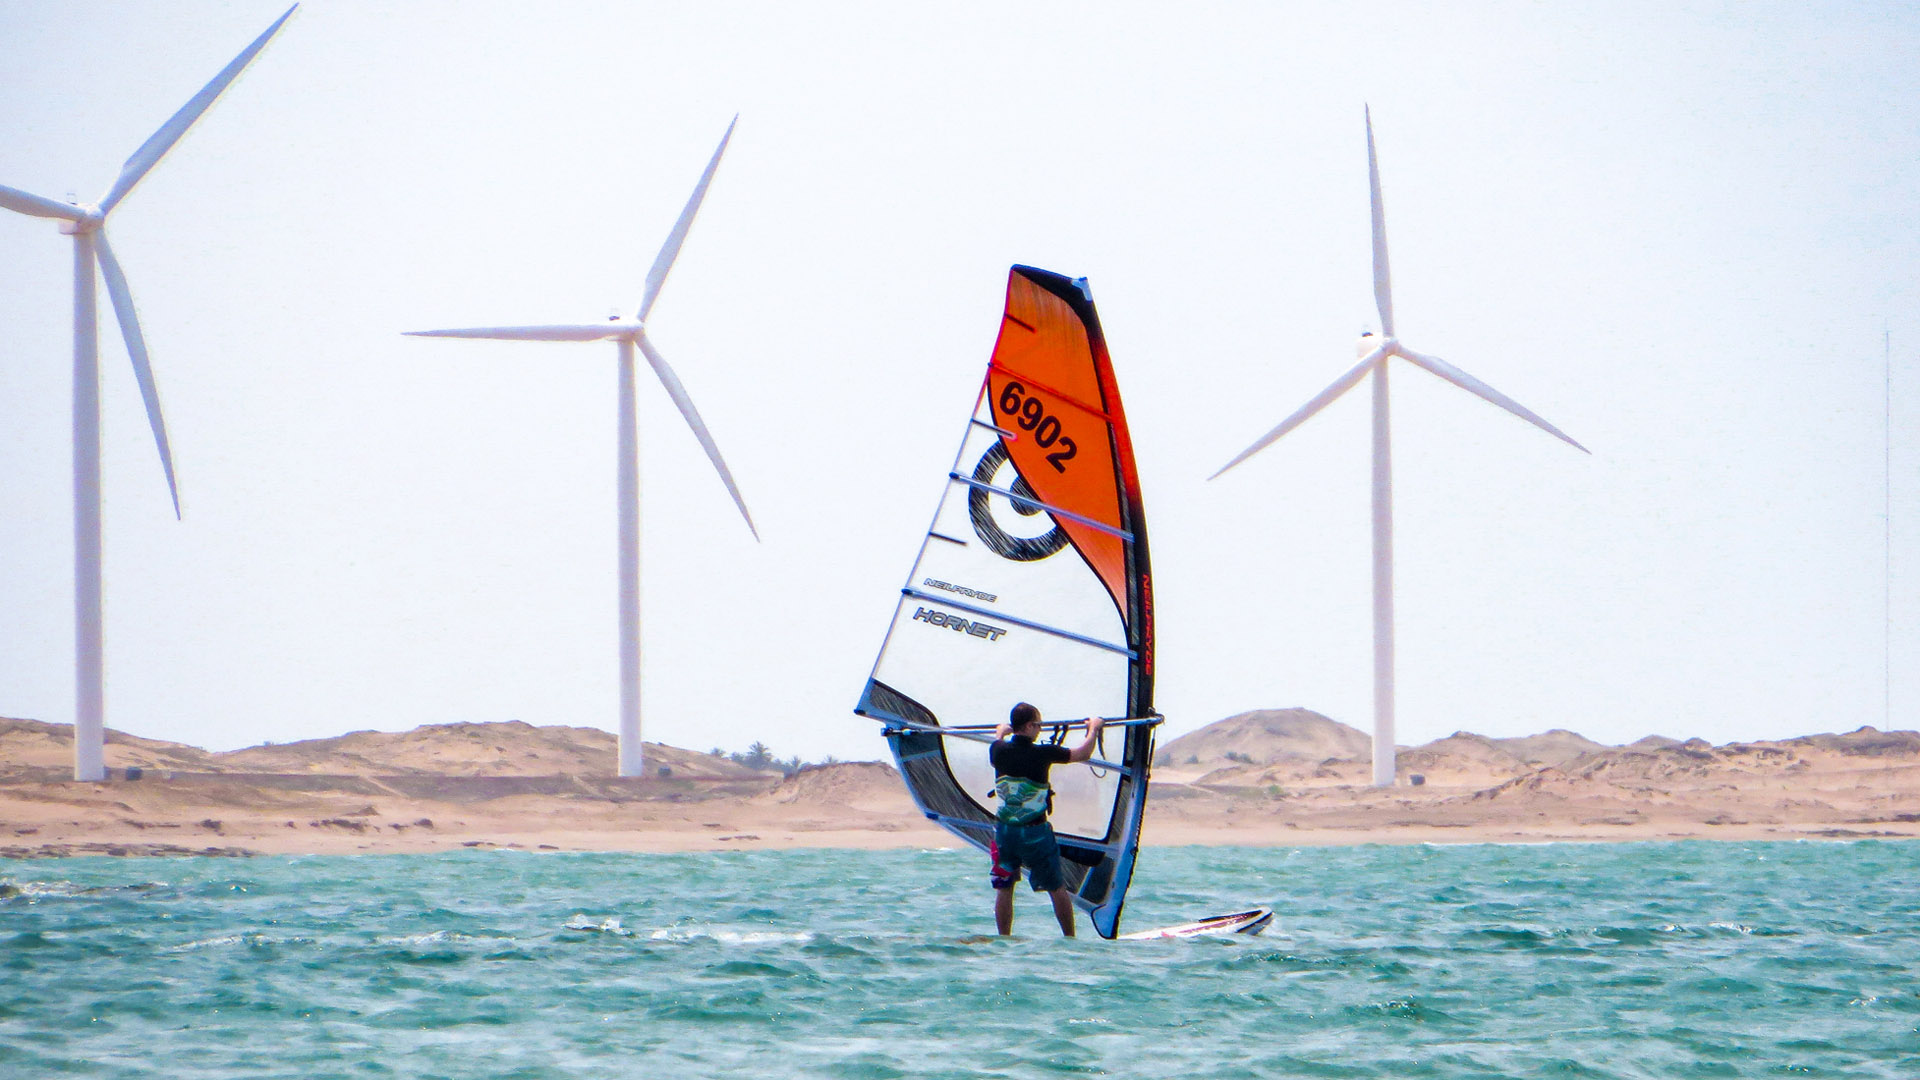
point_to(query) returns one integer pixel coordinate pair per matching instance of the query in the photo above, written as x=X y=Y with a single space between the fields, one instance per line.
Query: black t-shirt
x=1022 y=757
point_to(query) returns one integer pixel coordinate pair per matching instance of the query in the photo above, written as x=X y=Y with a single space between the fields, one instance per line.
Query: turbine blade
x=26 y=202
x=157 y=145
x=685 y=404
x=137 y=349
x=1474 y=386
x=669 y=251
x=1320 y=401
x=1382 y=276
x=574 y=332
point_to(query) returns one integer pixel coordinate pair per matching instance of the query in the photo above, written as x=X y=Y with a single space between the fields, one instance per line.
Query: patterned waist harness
x=1022 y=802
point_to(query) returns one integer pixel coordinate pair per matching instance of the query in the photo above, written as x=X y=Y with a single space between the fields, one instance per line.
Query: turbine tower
x=628 y=334
x=1373 y=361
x=87 y=226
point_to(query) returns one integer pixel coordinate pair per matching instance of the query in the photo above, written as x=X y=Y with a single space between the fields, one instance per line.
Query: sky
x=1682 y=233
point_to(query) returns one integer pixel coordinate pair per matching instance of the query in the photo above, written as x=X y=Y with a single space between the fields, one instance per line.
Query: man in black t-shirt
x=1021 y=834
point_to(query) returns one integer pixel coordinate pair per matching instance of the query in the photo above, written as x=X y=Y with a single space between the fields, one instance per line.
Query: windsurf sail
x=1032 y=585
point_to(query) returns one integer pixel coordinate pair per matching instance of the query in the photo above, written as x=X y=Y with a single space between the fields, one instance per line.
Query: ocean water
x=1582 y=960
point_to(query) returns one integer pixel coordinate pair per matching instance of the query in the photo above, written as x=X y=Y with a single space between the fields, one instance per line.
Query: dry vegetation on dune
x=1556 y=785
x=1282 y=776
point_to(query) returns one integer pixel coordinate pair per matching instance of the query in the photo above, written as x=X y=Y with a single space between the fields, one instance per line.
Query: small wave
x=208 y=943
x=608 y=925
x=1716 y=986
x=758 y=968
x=731 y=937
x=433 y=937
x=11 y=888
x=828 y=946
x=1717 y=929
x=1514 y=938
x=1401 y=1009
x=1629 y=935
x=35 y=889
x=247 y=939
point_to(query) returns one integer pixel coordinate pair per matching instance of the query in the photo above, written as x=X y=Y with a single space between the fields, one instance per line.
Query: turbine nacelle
x=90 y=220
x=1370 y=341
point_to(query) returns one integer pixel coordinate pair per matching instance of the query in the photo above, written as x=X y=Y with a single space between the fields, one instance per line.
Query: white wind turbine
x=86 y=224
x=1373 y=360
x=627 y=333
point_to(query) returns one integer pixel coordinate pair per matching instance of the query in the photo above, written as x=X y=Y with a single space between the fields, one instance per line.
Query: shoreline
x=249 y=843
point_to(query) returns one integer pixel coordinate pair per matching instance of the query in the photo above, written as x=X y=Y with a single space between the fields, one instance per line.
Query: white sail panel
x=969 y=681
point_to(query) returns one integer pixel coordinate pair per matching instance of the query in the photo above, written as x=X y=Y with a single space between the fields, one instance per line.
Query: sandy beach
x=1271 y=777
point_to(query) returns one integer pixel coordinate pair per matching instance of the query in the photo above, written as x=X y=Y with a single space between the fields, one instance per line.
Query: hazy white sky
x=1676 y=231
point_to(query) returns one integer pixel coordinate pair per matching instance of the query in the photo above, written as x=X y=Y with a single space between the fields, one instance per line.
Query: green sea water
x=1625 y=960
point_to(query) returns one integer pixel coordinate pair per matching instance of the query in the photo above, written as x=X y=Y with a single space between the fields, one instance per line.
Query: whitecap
x=208 y=943
x=224 y=940
x=608 y=925
x=763 y=937
x=34 y=890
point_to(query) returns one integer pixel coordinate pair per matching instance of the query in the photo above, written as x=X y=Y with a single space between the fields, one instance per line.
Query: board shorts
x=1031 y=846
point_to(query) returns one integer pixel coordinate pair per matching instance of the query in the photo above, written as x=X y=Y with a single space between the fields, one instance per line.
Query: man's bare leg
x=1003 y=910
x=1062 y=909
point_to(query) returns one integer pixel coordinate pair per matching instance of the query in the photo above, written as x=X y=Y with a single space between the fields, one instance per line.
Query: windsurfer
x=1022 y=836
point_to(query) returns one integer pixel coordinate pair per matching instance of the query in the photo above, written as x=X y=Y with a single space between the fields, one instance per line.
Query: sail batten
x=1019 y=501
x=1018 y=621
x=1039 y=591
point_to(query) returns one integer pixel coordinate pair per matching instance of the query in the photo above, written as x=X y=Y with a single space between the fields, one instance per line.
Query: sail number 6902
x=1031 y=415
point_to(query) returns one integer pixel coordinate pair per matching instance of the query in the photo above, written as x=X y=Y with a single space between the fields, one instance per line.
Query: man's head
x=1025 y=719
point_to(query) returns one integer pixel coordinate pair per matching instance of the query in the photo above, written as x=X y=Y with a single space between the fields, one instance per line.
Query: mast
x=89 y=721
x=628 y=447
x=1383 y=744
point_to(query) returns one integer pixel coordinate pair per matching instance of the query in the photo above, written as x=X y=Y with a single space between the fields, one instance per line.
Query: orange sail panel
x=1047 y=395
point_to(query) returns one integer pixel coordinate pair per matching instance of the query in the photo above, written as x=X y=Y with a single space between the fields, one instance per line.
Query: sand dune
x=1262 y=737
x=1277 y=776
x=29 y=744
